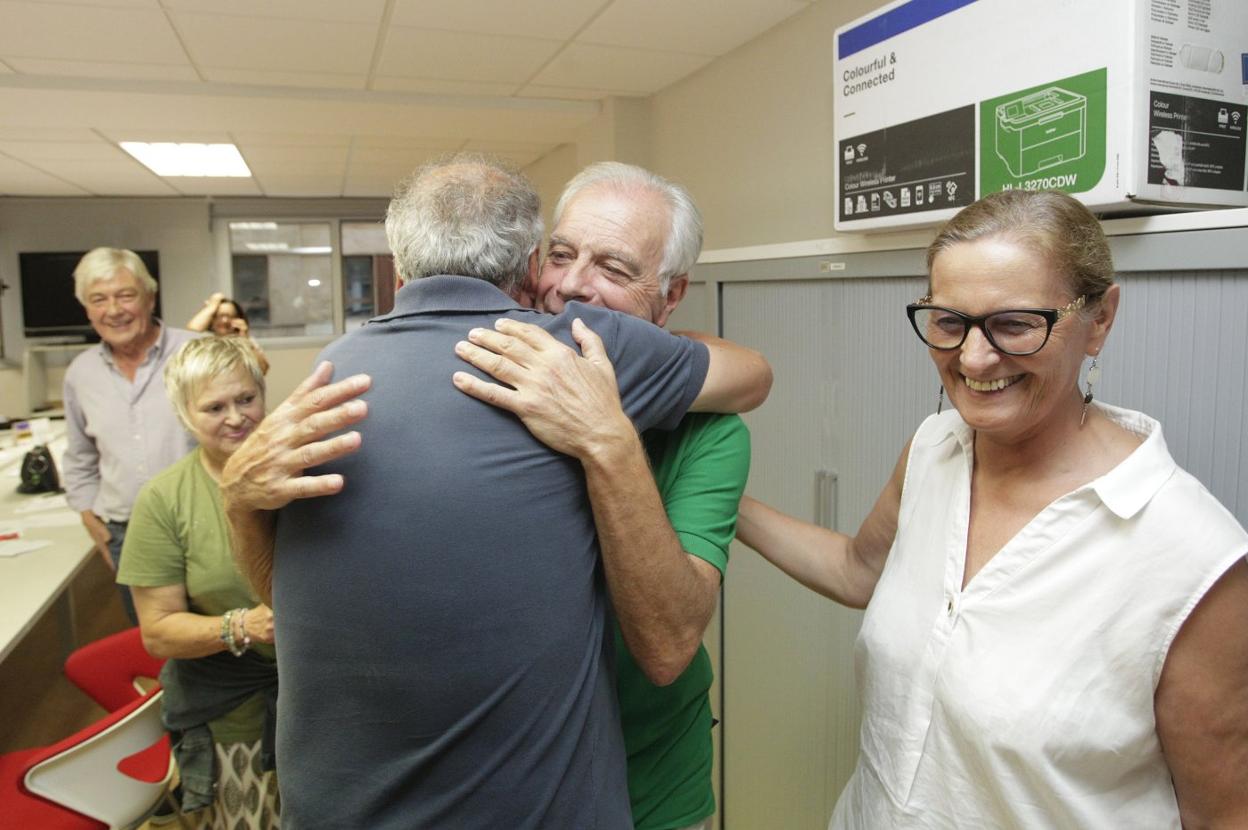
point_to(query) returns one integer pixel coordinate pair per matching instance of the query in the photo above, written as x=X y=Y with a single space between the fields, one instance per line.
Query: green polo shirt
x=700 y=469
x=177 y=536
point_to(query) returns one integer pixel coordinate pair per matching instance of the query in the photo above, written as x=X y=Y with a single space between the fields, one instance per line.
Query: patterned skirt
x=247 y=798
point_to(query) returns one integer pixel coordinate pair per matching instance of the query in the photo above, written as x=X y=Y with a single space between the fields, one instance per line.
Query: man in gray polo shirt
x=442 y=636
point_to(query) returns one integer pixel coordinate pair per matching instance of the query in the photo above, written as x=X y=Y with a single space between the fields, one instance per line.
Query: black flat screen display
x=49 y=307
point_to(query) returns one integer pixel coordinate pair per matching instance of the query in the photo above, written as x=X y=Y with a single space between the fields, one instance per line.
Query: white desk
x=30 y=583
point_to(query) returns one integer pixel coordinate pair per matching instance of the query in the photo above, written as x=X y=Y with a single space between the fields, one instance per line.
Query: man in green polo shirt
x=665 y=504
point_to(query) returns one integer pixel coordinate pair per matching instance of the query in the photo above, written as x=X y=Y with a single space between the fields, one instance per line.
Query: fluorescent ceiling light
x=253 y=226
x=312 y=249
x=199 y=160
x=267 y=246
x=314 y=283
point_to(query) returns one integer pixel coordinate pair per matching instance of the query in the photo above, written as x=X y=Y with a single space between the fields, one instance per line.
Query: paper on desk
x=57 y=519
x=52 y=501
x=15 y=547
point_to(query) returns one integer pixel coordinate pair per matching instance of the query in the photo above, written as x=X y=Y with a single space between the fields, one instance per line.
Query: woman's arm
x=203 y=318
x=843 y=568
x=1201 y=707
x=170 y=630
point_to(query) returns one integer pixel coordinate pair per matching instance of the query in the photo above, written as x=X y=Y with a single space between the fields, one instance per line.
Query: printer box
x=1130 y=105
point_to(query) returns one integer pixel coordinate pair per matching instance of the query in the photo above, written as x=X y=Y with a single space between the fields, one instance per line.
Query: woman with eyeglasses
x=1056 y=627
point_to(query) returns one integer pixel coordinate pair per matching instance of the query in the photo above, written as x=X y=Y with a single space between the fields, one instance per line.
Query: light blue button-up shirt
x=119 y=432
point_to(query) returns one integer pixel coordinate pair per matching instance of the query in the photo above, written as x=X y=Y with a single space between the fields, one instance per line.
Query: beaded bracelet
x=242 y=626
x=227 y=632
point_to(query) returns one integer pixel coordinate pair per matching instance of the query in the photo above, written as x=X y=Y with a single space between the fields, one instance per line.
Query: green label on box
x=1047 y=137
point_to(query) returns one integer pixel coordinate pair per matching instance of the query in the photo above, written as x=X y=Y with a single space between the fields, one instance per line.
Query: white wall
x=180 y=229
x=750 y=135
x=177 y=228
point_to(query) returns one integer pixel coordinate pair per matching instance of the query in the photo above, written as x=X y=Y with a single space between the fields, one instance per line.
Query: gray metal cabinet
x=851 y=384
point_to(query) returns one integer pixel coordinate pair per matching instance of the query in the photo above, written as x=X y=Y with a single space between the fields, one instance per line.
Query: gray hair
x=684 y=234
x=101 y=264
x=198 y=362
x=1052 y=224
x=468 y=215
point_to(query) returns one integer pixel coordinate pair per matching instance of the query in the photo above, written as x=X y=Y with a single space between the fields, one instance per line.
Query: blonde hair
x=198 y=362
x=100 y=264
x=1052 y=224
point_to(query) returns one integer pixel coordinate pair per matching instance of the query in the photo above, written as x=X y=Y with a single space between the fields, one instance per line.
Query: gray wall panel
x=1179 y=352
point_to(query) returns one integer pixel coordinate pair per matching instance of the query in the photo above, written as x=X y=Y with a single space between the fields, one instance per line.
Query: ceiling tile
x=120 y=178
x=5 y=69
x=362 y=142
x=567 y=93
x=394 y=160
x=203 y=186
x=121 y=134
x=427 y=53
x=288 y=160
x=433 y=87
x=355 y=11
x=40 y=151
x=226 y=42
x=555 y=19
x=17 y=179
x=9 y=133
x=103 y=69
x=613 y=67
x=257 y=77
x=131 y=4
x=86 y=33
x=302 y=186
x=489 y=146
x=705 y=27
x=246 y=140
x=371 y=184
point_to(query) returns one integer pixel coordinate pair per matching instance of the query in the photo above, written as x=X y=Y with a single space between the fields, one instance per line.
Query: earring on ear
x=1094 y=377
x=940 y=399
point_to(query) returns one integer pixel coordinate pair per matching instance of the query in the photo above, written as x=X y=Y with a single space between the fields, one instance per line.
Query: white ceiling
x=329 y=97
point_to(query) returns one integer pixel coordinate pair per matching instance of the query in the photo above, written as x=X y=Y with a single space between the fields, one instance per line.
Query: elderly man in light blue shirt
x=121 y=428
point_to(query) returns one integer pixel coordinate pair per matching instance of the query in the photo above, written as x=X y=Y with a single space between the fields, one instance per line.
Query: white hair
x=684 y=234
x=468 y=215
x=100 y=264
x=199 y=362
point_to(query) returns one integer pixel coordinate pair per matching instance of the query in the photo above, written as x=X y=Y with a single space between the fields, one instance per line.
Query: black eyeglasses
x=1015 y=331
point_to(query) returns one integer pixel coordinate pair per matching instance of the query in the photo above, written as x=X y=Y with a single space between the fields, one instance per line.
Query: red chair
x=112 y=774
x=107 y=670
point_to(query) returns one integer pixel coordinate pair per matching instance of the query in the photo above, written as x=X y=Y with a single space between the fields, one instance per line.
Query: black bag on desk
x=39 y=472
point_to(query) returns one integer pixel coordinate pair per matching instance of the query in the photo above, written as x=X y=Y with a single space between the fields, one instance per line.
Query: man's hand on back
x=267 y=471
x=570 y=402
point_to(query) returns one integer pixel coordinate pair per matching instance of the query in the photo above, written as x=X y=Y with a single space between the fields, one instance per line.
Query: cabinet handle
x=826 y=492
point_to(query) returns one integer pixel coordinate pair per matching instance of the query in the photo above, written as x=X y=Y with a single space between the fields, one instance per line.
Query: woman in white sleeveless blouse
x=1056 y=632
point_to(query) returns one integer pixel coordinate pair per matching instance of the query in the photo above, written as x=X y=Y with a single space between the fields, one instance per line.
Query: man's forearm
x=664 y=597
x=738 y=379
x=252 y=534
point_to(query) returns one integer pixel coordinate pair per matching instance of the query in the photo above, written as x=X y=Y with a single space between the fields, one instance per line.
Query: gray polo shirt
x=119 y=432
x=441 y=623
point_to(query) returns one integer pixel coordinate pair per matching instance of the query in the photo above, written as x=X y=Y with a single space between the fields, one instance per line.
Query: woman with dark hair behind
x=223 y=317
x=1056 y=627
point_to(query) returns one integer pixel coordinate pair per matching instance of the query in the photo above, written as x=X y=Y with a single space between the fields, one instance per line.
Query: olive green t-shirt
x=700 y=469
x=177 y=536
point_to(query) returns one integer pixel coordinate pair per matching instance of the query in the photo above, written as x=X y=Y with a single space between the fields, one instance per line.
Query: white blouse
x=1026 y=699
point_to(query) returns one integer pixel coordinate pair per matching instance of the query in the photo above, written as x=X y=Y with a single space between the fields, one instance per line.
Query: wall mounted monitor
x=49 y=307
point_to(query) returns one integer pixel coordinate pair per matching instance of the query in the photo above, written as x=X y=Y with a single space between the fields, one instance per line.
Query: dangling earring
x=1094 y=377
x=940 y=399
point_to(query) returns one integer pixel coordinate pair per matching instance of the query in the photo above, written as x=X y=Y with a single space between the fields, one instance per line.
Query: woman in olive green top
x=194 y=607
